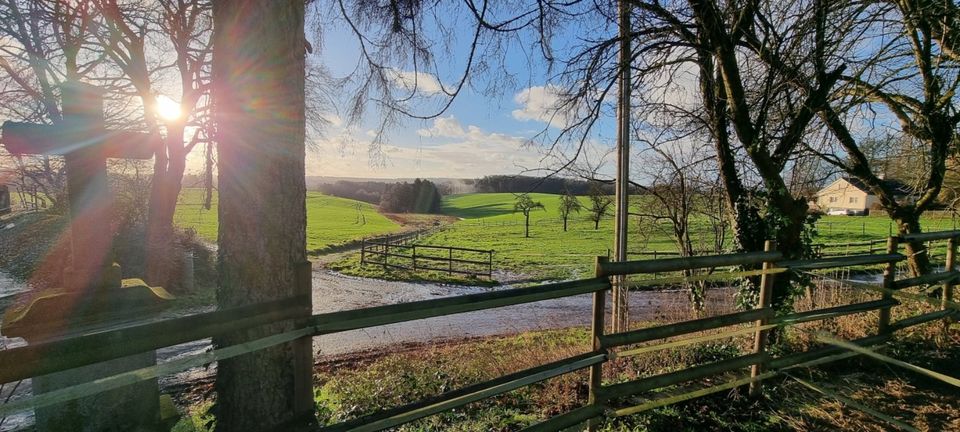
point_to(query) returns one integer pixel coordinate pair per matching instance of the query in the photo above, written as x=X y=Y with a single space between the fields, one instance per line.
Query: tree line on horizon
x=419 y=196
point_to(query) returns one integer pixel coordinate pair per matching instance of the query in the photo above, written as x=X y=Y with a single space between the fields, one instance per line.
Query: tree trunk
x=526 y=225
x=564 y=224
x=918 y=255
x=258 y=82
x=596 y=224
x=161 y=260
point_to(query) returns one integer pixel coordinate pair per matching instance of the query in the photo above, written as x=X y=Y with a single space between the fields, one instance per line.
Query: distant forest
x=366 y=191
x=423 y=196
x=420 y=196
x=524 y=184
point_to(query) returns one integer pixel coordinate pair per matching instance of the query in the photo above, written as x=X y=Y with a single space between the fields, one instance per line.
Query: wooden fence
x=604 y=398
x=400 y=253
x=849 y=248
x=821 y=250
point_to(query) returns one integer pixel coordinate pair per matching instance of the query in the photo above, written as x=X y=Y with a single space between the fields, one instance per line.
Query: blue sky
x=479 y=134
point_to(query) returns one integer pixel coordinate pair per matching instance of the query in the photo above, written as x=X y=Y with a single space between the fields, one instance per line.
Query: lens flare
x=167 y=108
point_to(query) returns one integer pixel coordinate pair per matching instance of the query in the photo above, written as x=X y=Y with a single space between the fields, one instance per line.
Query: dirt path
x=335 y=292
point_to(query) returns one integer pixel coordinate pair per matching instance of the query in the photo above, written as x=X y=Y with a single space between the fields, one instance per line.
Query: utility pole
x=620 y=312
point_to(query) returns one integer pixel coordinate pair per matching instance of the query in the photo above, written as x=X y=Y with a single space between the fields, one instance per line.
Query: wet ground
x=9 y=288
x=334 y=292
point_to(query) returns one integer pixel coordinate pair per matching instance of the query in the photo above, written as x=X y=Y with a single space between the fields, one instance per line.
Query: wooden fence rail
x=418 y=257
x=58 y=355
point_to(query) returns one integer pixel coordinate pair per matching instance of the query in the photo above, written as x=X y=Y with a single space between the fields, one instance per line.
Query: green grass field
x=331 y=221
x=488 y=222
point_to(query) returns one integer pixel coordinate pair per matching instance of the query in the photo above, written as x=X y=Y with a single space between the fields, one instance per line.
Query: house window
x=853 y=200
x=833 y=199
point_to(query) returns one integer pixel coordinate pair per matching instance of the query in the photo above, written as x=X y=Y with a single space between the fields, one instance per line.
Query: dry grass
x=923 y=403
x=354 y=385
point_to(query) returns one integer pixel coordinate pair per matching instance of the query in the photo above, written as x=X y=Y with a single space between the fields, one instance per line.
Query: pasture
x=489 y=222
x=331 y=221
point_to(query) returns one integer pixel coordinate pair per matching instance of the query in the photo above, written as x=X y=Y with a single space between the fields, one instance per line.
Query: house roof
x=898 y=187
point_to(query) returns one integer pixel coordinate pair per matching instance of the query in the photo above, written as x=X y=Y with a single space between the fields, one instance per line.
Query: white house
x=849 y=195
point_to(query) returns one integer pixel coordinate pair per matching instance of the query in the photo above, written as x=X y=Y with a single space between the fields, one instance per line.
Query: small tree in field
x=599 y=205
x=568 y=204
x=525 y=205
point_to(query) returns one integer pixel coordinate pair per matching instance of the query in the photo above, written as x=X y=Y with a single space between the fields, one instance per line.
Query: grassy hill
x=488 y=222
x=331 y=221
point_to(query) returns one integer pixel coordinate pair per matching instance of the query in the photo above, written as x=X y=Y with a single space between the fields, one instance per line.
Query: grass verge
x=331 y=221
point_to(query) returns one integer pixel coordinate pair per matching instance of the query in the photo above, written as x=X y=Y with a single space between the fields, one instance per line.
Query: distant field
x=488 y=222
x=331 y=221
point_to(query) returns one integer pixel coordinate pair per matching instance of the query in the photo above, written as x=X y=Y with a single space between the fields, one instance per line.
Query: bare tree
x=600 y=203
x=670 y=193
x=898 y=66
x=46 y=43
x=569 y=204
x=131 y=50
x=155 y=47
x=526 y=205
x=677 y=197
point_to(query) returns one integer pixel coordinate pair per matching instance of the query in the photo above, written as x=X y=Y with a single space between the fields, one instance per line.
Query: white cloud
x=424 y=83
x=544 y=104
x=334 y=119
x=446 y=149
x=443 y=127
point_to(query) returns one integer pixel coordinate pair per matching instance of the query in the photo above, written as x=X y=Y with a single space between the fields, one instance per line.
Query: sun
x=167 y=108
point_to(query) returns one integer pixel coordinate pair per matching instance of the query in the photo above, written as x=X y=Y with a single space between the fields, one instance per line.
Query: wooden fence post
x=596 y=331
x=760 y=339
x=450 y=260
x=386 y=253
x=948 y=284
x=490 y=264
x=363 y=251
x=303 y=347
x=889 y=275
x=414 y=257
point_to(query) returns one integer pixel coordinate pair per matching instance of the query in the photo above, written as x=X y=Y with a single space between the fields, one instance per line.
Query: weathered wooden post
x=386 y=253
x=596 y=332
x=947 y=296
x=363 y=251
x=889 y=275
x=92 y=295
x=490 y=264
x=450 y=260
x=414 y=257
x=760 y=339
x=303 y=348
x=5 y=206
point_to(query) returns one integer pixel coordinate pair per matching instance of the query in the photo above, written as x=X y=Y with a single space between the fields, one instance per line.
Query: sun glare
x=167 y=108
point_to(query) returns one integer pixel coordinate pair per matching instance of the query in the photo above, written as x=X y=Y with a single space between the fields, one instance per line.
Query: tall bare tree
x=569 y=204
x=45 y=44
x=900 y=67
x=675 y=175
x=679 y=200
x=163 y=45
